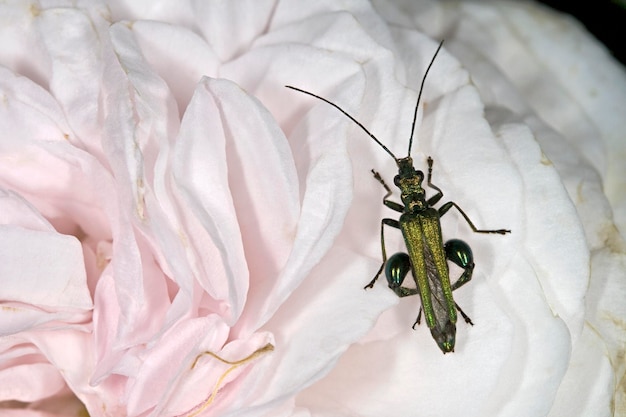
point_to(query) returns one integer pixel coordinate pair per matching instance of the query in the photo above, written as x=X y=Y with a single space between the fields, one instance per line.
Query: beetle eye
x=420 y=175
x=396 y=180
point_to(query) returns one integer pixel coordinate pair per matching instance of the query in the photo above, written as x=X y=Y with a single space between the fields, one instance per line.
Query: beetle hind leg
x=460 y=253
x=418 y=320
x=465 y=316
x=396 y=269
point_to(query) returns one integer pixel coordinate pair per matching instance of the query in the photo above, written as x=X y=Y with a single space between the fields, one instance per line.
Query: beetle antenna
x=349 y=117
x=419 y=96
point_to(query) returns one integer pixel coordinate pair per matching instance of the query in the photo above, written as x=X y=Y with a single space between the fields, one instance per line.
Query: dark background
x=605 y=19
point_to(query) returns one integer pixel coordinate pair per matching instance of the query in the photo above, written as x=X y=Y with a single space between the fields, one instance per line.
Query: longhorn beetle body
x=421 y=229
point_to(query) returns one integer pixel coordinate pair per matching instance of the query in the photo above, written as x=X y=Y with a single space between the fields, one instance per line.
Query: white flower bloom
x=184 y=236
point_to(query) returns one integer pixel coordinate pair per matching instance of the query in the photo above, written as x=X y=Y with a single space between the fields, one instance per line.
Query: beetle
x=420 y=225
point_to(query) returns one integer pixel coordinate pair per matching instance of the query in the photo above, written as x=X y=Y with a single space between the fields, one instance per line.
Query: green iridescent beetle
x=421 y=229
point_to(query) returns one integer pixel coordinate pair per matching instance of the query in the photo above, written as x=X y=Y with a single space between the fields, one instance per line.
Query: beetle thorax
x=412 y=194
x=409 y=180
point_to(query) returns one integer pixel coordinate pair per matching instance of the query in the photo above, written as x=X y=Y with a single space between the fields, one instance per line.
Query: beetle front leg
x=388 y=222
x=391 y=204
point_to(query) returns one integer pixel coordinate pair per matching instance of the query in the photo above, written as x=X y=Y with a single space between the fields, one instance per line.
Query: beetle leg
x=391 y=204
x=434 y=199
x=388 y=222
x=465 y=316
x=398 y=266
x=460 y=253
x=419 y=318
x=396 y=269
x=444 y=209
